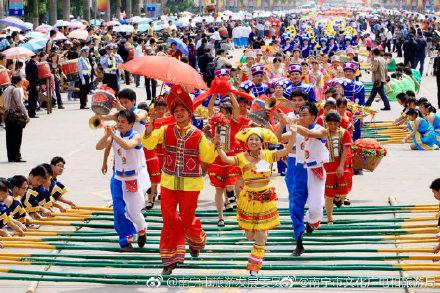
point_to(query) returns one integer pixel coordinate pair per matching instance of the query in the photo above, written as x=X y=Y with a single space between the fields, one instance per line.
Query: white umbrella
x=61 y=23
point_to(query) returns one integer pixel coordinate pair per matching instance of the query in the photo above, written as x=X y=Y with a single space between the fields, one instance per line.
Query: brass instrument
x=95 y=122
x=270 y=103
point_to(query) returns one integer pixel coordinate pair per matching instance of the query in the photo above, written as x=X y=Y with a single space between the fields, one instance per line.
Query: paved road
x=403 y=173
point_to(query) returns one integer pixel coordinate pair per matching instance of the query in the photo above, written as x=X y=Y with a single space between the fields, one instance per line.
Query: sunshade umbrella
x=35 y=44
x=112 y=23
x=165 y=68
x=59 y=36
x=76 y=25
x=35 y=35
x=14 y=22
x=181 y=46
x=17 y=53
x=96 y=22
x=125 y=28
x=44 y=28
x=143 y=27
x=78 y=34
x=61 y=23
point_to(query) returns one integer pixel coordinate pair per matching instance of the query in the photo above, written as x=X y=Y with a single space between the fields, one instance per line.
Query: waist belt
x=125 y=173
x=110 y=71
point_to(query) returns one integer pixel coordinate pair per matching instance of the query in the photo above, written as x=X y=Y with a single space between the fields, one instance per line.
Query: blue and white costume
x=127 y=190
x=311 y=153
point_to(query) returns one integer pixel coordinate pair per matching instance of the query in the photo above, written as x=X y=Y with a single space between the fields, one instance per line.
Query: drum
x=70 y=69
x=102 y=102
x=43 y=70
x=4 y=77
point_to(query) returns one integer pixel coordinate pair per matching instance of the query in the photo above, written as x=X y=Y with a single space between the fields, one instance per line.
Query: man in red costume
x=186 y=148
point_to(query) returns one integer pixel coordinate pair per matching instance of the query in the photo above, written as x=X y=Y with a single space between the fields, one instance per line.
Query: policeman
x=85 y=72
x=110 y=65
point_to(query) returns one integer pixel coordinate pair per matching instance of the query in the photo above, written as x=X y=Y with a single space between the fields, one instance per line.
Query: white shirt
x=138 y=52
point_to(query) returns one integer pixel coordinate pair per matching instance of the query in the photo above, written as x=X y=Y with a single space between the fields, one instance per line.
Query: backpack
x=211 y=67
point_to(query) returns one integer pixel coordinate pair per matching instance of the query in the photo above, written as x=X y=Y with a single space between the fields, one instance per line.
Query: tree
x=66 y=10
x=52 y=11
x=35 y=14
x=86 y=10
x=128 y=7
x=2 y=7
x=179 y=5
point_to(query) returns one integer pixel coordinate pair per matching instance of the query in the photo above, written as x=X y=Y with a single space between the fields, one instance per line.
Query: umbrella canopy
x=59 y=37
x=112 y=23
x=125 y=28
x=140 y=20
x=61 y=23
x=96 y=22
x=35 y=35
x=44 y=28
x=14 y=22
x=167 y=69
x=181 y=46
x=143 y=27
x=18 y=52
x=78 y=34
x=76 y=25
x=35 y=44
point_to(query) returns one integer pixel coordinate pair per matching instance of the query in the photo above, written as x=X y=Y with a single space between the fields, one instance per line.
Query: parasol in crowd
x=18 y=52
x=167 y=69
x=15 y=22
x=78 y=34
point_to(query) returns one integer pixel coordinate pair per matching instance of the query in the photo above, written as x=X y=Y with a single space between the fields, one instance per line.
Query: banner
x=102 y=5
x=15 y=7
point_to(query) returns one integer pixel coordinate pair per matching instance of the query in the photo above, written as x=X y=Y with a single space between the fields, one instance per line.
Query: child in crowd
x=57 y=189
x=6 y=219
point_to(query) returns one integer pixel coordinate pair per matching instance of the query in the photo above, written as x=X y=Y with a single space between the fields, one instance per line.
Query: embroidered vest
x=182 y=153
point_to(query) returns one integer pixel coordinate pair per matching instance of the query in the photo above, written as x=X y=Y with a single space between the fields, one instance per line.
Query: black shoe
x=149 y=205
x=35 y=116
x=84 y=108
x=17 y=161
x=142 y=239
x=229 y=208
x=347 y=202
x=61 y=107
x=299 y=246
x=385 y=109
x=337 y=203
x=126 y=248
x=168 y=270
x=309 y=228
x=282 y=174
x=358 y=172
x=193 y=252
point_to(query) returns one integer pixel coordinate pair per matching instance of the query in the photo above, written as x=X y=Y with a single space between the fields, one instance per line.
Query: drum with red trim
x=4 y=77
x=43 y=70
x=70 y=69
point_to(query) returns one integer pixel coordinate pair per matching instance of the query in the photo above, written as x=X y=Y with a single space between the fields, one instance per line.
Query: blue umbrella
x=35 y=35
x=181 y=46
x=123 y=21
x=126 y=28
x=14 y=22
x=157 y=27
x=35 y=44
x=143 y=27
x=95 y=22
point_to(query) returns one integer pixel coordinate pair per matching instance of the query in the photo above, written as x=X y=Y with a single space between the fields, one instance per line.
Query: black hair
x=421 y=101
x=412 y=112
x=402 y=97
x=127 y=94
x=435 y=184
x=376 y=52
x=3 y=187
x=332 y=117
x=298 y=93
x=16 y=79
x=313 y=110
x=38 y=171
x=160 y=102
x=52 y=33
x=330 y=103
x=341 y=101
x=428 y=106
x=227 y=106
x=331 y=90
x=56 y=160
x=411 y=100
x=17 y=181
x=48 y=168
x=129 y=115
x=5 y=182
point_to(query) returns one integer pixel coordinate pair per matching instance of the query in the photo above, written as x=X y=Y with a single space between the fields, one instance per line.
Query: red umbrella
x=18 y=52
x=167 y=69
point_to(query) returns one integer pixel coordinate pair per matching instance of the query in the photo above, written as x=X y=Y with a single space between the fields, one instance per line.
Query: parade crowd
x=299 y=105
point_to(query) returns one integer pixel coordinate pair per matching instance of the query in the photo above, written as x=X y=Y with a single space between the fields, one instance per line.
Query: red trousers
x=179 y=227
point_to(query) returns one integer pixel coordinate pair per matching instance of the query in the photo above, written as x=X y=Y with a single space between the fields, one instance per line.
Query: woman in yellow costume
x=257 y=211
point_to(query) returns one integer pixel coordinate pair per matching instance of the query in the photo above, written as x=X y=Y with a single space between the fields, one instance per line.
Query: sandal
x=330 y=223
x=149 y=205
x=221 y=223
x=229 y=208
x=337 y=202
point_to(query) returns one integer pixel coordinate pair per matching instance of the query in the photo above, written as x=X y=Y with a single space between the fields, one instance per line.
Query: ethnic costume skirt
x=257 y=209
x=222 y=175
x=337 y=186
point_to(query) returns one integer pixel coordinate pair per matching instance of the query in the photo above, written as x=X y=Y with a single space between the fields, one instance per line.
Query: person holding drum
x=85 y=70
